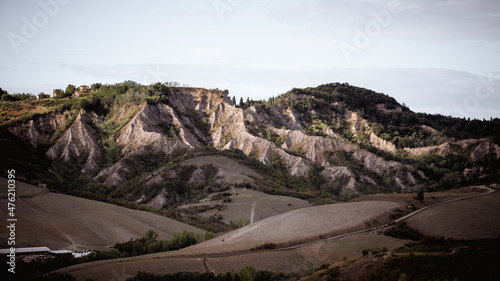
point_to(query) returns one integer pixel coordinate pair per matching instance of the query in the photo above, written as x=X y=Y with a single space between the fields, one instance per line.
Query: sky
x=436 y=56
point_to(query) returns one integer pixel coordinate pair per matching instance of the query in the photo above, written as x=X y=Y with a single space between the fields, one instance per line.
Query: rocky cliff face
x=193 y=117
x=38 y=130
x=80 y=139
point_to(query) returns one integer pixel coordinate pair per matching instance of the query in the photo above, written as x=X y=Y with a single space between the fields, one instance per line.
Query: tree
x=420 y=196
x=58 y=93
x=234 y=100
x=6 y=97
x=247 y=273
x=241 y=102
x=150 y=236
x=209 y=235
x=70 y=90
x=96 y=86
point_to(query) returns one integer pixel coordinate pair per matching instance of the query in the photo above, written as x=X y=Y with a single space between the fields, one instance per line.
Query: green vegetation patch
x=402 y=231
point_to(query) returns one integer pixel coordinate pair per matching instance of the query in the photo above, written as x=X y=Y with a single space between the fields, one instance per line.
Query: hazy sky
x=437 y=56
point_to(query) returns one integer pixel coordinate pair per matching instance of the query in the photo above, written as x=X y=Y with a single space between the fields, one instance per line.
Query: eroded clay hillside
x=335 y=141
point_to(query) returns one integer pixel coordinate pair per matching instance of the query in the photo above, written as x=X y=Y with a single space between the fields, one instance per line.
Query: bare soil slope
x=232 y=250
x=297 y=225
x=66 y=222
x=230 y=170
x=474 y=218
x=296 y=259
x=251 y=204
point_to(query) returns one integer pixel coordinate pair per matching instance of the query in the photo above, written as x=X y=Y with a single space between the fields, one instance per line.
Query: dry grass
x=13 y=110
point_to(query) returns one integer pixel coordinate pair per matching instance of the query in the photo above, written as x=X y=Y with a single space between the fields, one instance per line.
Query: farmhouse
x=42 y=253
x=43 y=96
x=83 y=90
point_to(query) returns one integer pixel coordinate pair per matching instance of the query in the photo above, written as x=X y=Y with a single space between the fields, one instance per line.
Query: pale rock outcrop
x=293 y=123
x=335 y=173
x=383 y=108
x=159 y=176
x=444 y=149
x=367 y=179
x=382 y=144
x=359 y=124
x=262 y=149
x=197 y=177
x=35 y=130
x=351 y=184
x=484 y=148
x=429 y=129
x=315 y=147
x=227 y=122
x=159 y=200
x=399 y=184
x=79 y=139
x=411 y=179
x=329 y=132
x=144 y=134
x=144 y=131
x=374 y=163
x=141 y=199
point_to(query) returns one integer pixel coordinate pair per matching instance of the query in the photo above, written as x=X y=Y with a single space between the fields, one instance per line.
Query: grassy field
x=67 y=222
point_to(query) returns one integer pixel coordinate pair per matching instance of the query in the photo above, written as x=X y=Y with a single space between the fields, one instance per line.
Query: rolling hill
x=61 y=221
x=130 y=144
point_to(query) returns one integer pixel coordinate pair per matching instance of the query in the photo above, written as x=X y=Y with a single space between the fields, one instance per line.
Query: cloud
x=423 y=20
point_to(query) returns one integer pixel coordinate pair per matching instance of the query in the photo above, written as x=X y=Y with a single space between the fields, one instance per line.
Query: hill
x=352 y=254
x=131 y=145
x=61 y=221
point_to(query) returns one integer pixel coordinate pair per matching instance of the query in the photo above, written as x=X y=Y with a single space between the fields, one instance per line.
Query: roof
x=84 y=86
x=26 y=250
x=57 y=252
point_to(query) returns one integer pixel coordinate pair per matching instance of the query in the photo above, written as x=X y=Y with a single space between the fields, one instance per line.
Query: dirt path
x=205 y=264
x=252 y=213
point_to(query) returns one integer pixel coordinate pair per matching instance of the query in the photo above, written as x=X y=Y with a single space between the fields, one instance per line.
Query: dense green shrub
x=402 y=231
